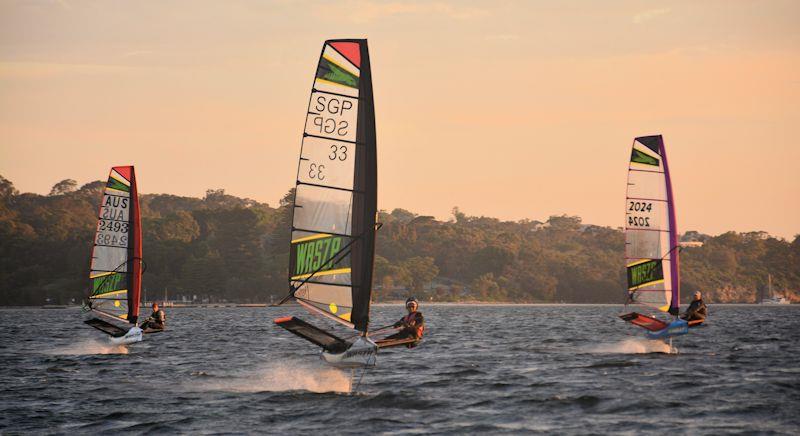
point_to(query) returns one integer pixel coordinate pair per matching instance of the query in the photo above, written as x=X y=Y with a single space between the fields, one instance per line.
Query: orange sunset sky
x=511 y=109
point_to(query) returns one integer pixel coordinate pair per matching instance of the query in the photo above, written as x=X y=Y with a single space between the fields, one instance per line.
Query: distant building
x=691 y=244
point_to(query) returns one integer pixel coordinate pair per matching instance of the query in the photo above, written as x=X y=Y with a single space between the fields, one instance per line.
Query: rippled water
x=512 y=369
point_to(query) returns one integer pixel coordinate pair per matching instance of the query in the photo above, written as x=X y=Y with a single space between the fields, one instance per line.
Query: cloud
x=649 y=15
x=366 y=11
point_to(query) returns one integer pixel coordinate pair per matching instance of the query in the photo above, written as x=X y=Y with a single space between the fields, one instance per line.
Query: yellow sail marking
x=646 y=284
x=102 y=274
x=640 y=261
x=323 y=273
x=310 y=238
x=109 y=293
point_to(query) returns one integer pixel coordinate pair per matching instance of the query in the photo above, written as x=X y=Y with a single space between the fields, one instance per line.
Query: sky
x=509 y=109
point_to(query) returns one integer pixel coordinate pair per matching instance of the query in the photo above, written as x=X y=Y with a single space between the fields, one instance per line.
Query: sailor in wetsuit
x=156 y=321
x=412 y=325
x=697 y=311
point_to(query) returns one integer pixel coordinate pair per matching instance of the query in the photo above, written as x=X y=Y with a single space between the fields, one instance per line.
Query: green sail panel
x=642 y=158
x=329 y=71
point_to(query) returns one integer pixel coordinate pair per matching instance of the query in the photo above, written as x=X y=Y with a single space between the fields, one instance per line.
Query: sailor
x=156 y=321
x=412 y=325
x=697 y=311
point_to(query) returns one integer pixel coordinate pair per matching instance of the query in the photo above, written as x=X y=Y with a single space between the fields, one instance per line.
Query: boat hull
x=675 y=328
x=363 y=353
x=132 y=336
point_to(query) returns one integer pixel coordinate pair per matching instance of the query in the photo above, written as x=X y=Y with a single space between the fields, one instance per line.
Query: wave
x=634 y=346
x=89 y=347
x=286 y=376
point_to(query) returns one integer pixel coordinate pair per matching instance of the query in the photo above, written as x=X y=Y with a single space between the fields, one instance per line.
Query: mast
x=769 y=284
x=333 y=223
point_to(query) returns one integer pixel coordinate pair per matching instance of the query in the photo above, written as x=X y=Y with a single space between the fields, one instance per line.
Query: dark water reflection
x=498 y=369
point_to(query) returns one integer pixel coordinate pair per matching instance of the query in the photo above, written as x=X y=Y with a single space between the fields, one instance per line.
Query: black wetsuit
x=157 y=321
x=413 y=326
x=696 y=311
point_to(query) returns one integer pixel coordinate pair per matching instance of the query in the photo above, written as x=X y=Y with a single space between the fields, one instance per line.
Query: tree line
x=224 y=248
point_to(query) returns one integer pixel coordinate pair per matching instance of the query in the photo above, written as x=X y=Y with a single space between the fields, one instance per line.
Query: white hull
x=776 y=300
x=134 y=335
x=362 y=353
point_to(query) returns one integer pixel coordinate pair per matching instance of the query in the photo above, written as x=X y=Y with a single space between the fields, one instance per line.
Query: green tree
x=421 y=271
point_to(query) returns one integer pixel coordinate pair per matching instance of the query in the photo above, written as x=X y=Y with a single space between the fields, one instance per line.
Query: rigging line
x=319 y=232
x=116 y=195
x=334 y=139
x=313 y=90
x=329 y=187
x=370 y=362
x=350 y=211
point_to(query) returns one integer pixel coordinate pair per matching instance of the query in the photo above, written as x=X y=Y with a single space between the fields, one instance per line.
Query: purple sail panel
x=674 y=259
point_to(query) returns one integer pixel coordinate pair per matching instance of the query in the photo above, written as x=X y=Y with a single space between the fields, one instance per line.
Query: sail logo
x=332 y=116
x=356 y=353
x=315 y=255
x=645 y=273
x=107 y=283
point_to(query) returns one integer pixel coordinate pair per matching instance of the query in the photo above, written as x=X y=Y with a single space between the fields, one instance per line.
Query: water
x=498 y=369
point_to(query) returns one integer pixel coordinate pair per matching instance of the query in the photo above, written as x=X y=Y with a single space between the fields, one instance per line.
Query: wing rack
x=644 y=321
x=313 y=334
x=107 y=327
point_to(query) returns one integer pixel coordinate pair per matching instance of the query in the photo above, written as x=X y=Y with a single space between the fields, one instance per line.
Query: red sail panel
x=350 y=50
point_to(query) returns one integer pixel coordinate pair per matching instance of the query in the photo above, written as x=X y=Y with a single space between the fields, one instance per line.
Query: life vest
x=159 y=317
x=419 y=327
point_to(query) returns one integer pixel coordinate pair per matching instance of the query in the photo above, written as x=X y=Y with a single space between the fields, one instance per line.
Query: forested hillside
x=224 y=248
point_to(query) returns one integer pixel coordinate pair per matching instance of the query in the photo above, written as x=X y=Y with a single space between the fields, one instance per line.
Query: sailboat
x=115 y=274
x=332 y=248
x=651 y=242
x=772 y=298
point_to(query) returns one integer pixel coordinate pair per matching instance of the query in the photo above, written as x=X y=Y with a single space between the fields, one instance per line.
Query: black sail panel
x=365 y=206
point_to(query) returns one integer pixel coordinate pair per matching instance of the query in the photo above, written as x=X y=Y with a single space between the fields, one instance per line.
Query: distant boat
x=115 y=274
x=651 y=242
x=333 y=226
x=772 y=298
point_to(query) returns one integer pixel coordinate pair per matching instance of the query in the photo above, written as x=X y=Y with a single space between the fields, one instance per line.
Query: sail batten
x=115 y=270
x=333 y=221
x=650 y=231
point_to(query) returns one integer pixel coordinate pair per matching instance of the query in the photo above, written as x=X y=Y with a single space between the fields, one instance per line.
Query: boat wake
x=89 y=347
x=287 y=376
x=634 y=346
